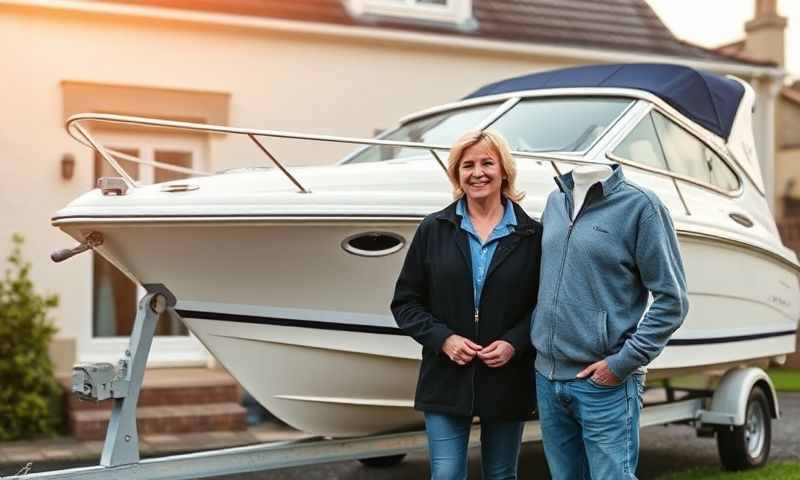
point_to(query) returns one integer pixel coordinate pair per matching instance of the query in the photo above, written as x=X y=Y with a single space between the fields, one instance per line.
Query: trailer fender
x=729 y=402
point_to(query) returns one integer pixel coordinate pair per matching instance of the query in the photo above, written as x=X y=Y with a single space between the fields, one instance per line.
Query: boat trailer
x=725 y=410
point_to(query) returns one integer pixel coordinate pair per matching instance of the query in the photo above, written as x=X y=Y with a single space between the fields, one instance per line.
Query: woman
x=466 y=291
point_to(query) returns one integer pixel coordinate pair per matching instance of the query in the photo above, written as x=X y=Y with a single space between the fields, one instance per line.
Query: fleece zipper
x=589 y=198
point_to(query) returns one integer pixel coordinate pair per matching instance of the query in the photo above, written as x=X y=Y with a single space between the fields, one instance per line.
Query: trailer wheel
x=747 y=446
x=383 y=462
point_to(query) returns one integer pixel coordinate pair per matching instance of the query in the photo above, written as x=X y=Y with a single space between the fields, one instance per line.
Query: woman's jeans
x=448 y=441
x=590 y=431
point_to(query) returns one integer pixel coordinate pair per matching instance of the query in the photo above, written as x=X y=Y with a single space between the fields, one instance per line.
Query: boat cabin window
x=642 y=145
x=561 y=124
x=438 y=129
x=687 y=155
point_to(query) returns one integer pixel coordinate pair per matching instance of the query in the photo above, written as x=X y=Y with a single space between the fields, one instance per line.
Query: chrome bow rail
x=76 y=129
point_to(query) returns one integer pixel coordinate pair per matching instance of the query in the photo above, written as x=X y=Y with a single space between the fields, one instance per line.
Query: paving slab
x=69 y=450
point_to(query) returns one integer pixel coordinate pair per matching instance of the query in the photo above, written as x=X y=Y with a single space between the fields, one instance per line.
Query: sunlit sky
x=711 y=23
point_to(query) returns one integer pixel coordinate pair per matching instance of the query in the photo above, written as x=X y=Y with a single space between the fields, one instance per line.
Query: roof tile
x=624 y=25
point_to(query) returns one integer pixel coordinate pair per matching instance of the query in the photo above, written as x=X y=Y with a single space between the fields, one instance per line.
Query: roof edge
x=733 y=56
x=577 y=54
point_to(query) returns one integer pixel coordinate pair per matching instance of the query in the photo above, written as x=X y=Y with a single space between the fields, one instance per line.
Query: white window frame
x=169 y=350
x=455 y=11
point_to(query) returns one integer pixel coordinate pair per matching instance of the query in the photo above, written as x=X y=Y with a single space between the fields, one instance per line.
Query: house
x=765 y=40
x=340 y=67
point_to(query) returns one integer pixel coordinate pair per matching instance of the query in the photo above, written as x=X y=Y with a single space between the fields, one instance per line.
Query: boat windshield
x=438 y=129
x=546 y=124
x=564 y=124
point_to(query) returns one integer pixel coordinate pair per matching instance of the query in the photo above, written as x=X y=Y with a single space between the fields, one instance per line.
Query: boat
x=285 y=275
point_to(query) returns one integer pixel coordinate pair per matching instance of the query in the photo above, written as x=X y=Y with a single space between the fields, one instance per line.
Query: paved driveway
x=663 y=450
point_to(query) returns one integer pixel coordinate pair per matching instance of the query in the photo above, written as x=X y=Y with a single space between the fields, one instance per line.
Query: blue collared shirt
x=482 y=253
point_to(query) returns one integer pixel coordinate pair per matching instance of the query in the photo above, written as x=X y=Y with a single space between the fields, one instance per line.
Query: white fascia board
x=383 y=34
x=456 y=12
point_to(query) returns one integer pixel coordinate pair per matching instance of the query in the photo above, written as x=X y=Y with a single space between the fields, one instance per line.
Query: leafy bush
x=29 y=394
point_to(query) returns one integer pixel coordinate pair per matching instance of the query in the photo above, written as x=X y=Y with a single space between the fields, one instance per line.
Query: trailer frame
x=121 y=460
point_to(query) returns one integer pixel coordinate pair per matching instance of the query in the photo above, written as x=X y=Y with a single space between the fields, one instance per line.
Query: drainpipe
x=769 y=87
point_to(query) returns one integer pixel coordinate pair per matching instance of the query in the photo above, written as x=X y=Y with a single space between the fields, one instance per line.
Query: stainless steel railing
x=76 y=128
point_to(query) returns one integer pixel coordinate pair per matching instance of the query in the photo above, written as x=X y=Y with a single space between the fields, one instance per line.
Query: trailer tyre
x=747 y=447
x=383 y=462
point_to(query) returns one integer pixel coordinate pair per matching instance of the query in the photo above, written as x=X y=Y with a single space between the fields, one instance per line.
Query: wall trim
x=155 y=102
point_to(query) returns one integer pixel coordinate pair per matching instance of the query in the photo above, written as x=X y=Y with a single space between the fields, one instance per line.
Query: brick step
x=154 y=397
x=207 y=417
x=169 y=387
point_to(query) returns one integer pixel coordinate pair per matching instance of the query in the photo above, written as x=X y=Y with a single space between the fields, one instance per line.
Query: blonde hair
x=498 y=144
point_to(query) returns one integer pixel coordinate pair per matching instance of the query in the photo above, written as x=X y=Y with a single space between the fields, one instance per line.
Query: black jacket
x=433 y=299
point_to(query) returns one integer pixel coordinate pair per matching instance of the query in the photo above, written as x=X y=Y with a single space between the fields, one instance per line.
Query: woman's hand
x=497 y=354
x=459 y=349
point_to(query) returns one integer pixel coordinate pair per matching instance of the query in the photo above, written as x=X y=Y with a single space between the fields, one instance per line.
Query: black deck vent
x=373 y=244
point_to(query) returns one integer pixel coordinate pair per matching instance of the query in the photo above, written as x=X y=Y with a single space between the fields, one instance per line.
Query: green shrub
x=29 y=394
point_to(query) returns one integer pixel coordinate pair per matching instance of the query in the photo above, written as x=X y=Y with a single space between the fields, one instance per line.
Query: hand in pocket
x=600 y=374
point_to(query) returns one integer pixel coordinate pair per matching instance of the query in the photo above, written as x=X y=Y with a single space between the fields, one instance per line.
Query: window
x=688 y=156
x=114 y=295
x=450 y=11
x=439 y=129
x=642 y=146
x=564 y=124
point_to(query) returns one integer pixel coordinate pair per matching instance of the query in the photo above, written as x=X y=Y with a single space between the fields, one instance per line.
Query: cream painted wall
x=277 y=81
x=788 y=134
x=788 y=158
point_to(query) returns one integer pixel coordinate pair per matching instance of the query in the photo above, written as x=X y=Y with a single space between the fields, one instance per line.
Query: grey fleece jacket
x=596 y=273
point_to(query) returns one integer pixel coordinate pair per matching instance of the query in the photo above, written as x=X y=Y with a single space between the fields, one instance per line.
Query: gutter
x=579 y=55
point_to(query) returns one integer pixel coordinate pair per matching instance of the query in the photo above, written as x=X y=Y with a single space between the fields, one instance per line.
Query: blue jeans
x=448 y=441
x=590 y=431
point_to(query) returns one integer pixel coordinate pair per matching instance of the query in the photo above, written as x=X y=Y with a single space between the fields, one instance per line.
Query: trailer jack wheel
x=746 y=447
x=383 y=462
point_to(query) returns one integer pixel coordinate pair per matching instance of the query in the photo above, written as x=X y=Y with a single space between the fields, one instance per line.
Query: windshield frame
x=595 y=142
x=692 y=130
x=511 y=100
x=501 y=109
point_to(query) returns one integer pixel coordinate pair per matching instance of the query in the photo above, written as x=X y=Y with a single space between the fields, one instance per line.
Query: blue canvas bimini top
x=707 y=99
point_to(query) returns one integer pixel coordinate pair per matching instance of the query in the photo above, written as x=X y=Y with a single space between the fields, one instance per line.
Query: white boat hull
x=263 y=280
x=305 y=327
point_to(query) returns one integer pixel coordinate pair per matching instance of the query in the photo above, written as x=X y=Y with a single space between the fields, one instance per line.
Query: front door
x=115 y=296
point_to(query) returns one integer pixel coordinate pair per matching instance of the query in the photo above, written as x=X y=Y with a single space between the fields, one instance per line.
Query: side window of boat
x=642 y=146
x=689 y=156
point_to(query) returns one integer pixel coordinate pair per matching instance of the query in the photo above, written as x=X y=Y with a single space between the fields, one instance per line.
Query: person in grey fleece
x=590 y=329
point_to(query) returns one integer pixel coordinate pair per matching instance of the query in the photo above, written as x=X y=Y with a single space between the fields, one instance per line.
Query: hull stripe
x=347 y=327
x=676 y=342
x=288 y=322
